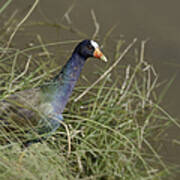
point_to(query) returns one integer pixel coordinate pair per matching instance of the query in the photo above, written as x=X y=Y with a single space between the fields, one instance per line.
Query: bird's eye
x=89 y=47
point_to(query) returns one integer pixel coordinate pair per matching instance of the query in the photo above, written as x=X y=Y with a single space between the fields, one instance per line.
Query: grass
x=108 y=133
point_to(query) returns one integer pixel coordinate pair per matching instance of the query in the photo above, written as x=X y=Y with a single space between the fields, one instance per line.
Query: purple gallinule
x=50 y=99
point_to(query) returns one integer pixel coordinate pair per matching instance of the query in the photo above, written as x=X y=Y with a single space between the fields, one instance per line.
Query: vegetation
x=112 y=132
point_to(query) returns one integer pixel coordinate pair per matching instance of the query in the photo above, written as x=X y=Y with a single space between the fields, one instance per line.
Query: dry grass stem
x=96 y=24
x=67 y=14
x=5 y=6
x=24 y=72
x=46 y=52
x=21 y=22
x=68 y=136
x=126 y=79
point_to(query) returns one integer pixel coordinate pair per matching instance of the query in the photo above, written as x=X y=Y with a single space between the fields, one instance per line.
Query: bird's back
x=28 y=110
x=21 y=107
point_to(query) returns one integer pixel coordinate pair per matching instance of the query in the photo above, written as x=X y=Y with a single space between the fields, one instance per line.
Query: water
x=156 y=20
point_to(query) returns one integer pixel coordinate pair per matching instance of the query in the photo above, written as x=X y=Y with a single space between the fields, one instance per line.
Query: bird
x=45 y=104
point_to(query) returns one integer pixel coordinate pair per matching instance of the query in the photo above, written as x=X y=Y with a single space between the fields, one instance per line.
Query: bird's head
x=89 y=48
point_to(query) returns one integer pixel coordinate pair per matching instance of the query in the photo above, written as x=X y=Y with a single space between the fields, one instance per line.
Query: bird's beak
x=98 y=54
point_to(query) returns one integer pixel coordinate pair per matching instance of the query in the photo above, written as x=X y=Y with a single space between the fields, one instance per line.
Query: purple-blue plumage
x=67 y=80
x=50 y=99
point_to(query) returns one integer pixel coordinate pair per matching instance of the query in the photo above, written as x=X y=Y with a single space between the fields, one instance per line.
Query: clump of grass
x=106 y=134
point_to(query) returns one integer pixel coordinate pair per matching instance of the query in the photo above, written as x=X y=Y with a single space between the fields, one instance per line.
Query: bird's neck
x=71 y=71
x=66 y=81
